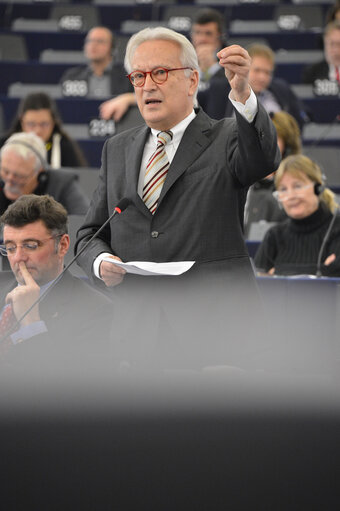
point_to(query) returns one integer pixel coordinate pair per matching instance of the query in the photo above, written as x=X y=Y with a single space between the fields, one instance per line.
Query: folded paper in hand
x=148 y=268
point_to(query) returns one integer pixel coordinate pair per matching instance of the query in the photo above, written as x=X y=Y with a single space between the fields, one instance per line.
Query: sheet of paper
x=148 y=268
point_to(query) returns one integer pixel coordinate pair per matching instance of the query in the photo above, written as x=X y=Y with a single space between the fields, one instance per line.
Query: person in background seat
x=38 y=113
x=308 y=242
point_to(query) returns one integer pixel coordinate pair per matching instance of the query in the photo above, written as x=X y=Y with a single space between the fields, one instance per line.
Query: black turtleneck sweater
x=292 y=247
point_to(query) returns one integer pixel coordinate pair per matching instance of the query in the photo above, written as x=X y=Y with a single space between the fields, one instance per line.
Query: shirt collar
x=178 y=130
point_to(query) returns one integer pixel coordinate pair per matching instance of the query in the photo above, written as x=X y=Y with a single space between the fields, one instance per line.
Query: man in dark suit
x=208 y=34
x=24 y=170
x=329 y=67
x=274 y=94
x=199 y=213
x=102 y=77
x=73 y=319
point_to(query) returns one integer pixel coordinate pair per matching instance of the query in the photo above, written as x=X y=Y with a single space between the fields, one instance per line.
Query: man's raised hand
x=236 y=63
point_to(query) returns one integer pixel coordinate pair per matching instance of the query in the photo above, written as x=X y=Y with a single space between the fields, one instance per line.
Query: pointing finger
x=28 y=279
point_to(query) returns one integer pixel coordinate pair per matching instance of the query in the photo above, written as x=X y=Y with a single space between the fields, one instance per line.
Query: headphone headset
x=42 y=176
x=44 y=163
x=319 y=188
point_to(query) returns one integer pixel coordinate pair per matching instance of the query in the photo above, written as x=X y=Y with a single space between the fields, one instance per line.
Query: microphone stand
x=118 y=209
x=323 y=244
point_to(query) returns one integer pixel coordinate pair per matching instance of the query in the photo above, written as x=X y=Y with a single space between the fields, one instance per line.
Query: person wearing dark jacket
x=208 y=35
x=274 y=94
x=71 y=322
x=102 y=77
x=261 y=205
x=24 y=170
x=308 y=242
x=329 y=67
x=38 y=113
x=193 y=212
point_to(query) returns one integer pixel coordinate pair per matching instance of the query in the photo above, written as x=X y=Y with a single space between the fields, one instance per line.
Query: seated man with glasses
x=308 y=242
x=71 y=315
x=24 y=170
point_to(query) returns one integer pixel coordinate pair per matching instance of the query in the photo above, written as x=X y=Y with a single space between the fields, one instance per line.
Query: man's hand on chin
x=22 y=297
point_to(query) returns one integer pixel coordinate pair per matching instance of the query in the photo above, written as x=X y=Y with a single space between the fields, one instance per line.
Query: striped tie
x=8 y=319
x=7 y=323
x=156 y=171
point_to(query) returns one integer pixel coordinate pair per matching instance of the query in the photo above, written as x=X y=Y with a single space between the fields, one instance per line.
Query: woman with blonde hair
x=288 y=133
x=308 y=242
x=261 y=205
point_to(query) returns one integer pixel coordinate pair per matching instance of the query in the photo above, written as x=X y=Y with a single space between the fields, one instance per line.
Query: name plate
x=180 y=23
x=73 y=23
x=100 y=128
x=289 y=22
x=325 y=88
x=74 y=88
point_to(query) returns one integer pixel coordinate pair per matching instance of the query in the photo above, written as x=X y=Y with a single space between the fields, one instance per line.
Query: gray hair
x=27 y=145
x=188 y=54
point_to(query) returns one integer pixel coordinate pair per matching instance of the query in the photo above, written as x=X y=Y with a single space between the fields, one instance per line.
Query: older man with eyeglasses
x=197 y=174
x=24 y=169
x=186 y=177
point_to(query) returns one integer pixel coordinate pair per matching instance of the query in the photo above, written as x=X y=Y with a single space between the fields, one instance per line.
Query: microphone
x=121 y=206
x=323 y=244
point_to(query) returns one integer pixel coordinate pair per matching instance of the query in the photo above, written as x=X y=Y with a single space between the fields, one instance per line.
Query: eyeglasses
x=198 y=31
x=29 y=246
x=158 y=75
x=332 y=44
x=15 y=176
x=31 y=125
x=97 y=41
x=296 y=189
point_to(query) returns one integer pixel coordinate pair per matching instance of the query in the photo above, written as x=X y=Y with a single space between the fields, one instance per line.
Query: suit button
x=154 y=234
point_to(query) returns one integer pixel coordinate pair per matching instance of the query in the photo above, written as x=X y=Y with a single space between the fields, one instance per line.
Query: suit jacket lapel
x=194 y=142
x=58 y=299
